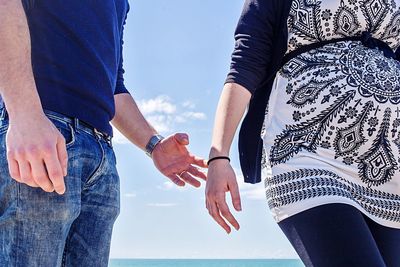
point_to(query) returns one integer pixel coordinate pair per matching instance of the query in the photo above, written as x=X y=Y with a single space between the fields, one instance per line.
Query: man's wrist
x=152 y=143
x=22 y=113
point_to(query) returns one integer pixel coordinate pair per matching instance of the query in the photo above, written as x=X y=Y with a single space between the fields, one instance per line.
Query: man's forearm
x=130 y=122
x=17 y=84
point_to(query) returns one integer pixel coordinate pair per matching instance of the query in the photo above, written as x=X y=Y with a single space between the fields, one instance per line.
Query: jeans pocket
x=68 y=133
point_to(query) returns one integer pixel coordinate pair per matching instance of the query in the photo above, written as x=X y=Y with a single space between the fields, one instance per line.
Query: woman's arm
x=254 y=38
x=221 y=177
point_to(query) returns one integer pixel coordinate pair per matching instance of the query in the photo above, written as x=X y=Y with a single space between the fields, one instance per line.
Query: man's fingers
x=40 y=176
x=214 y=212
x=187 y=177
x=197 y=173
x=25 y=173
x=55 y=171
x=62 y=155
x=199 y=162
x=236 y=202
x=176 y=180
x=226 y=213
x=182 y=138
x=14 y=170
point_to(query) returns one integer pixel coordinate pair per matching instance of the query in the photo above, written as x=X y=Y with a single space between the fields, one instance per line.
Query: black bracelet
x=215 y=158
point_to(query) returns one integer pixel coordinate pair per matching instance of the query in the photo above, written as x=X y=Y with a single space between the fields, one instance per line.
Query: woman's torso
x=312 y=21
x=333 y=126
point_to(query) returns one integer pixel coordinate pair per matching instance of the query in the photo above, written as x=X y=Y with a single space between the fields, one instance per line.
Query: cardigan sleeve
x=253 y=43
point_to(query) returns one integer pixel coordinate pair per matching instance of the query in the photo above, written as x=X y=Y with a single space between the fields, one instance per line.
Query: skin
x=221 y=178
x=36 y=150
x=170 y=156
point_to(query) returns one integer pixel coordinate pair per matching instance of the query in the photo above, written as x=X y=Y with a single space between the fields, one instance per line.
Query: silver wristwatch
x=153 y=142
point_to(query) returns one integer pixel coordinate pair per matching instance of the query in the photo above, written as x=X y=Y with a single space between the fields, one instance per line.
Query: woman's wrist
x=217 y=152
x=218 y=158
x=218 y=155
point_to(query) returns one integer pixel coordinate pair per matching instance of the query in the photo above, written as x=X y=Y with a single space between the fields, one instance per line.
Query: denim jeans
x=46 y=229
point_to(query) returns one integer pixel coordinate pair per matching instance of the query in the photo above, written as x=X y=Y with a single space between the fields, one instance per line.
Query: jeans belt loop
x=76 y=124
x=3 y=114
x=103 y=136
x=98 y=134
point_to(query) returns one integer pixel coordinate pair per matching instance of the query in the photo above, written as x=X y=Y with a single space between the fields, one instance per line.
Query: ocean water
x=204 y=263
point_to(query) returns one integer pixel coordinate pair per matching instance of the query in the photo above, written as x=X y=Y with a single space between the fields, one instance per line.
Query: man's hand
x=170 y=156
x=36 y=153
x=172 y=159
x=222 y=179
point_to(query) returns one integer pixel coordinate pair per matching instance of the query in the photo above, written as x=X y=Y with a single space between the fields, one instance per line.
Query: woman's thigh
x=388 y=242
x=333 y=235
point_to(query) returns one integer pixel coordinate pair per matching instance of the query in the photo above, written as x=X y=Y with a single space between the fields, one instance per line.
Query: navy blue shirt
x=77 y=56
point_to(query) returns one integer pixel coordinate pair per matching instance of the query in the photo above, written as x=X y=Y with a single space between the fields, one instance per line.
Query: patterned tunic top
x=332 y=130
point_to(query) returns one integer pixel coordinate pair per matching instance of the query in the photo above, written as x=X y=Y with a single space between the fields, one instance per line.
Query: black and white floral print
x=332 y=133
x=312 y=21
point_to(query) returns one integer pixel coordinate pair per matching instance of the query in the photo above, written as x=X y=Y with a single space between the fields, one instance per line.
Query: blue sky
x=176 y=57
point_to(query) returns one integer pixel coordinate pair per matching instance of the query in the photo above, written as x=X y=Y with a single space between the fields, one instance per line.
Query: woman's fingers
x=217 y=206
x=226 y=213
x=215 y=214
x=235 y=195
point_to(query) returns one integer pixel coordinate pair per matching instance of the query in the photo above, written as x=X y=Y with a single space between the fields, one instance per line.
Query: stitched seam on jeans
x=61 y=120
x=96 y=173
x=66 y=248
x=17 y=227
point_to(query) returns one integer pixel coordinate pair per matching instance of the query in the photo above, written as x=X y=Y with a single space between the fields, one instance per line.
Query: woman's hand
x=222 y=179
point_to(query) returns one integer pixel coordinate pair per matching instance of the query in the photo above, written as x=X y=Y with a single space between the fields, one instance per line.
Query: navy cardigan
x=261 y=42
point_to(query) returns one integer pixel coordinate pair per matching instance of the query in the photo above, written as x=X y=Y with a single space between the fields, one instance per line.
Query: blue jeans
x=46 y=229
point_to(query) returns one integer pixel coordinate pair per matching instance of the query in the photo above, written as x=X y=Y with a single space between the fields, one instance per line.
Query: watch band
x=153 y=142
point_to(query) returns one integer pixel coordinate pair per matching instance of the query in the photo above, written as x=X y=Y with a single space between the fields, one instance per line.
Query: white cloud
x=257 y=193
x=250 y=191
x=195 y=115
x=161 y=122
x=160 y=104
x=164 y=115
x=168 y=186
x=119 y=138
x=162 y=205
x=188 y=104
x=130 y=195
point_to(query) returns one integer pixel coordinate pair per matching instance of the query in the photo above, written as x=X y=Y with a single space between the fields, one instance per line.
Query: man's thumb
x=182 y=138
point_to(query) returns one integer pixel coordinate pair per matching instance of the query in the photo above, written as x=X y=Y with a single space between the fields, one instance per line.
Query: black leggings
x=339 y=235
